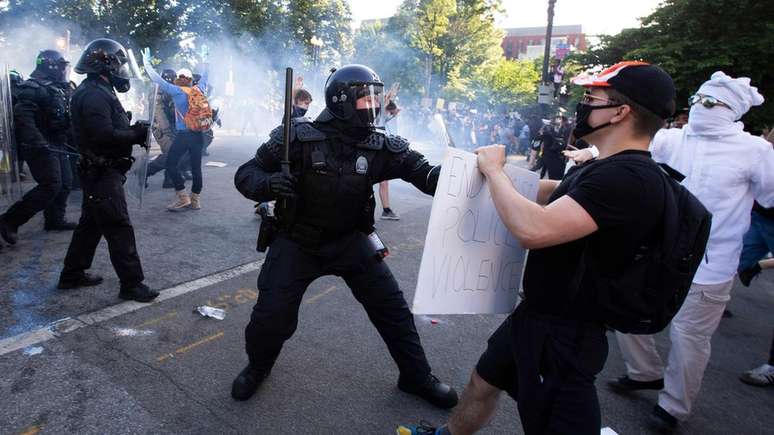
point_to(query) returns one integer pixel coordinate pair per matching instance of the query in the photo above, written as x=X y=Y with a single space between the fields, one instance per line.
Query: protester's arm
x=204 y=81
x=533 y=225
x=156 y=78
x=660 y=148
x=582 y=155
x=545 y=190
x=762 y=177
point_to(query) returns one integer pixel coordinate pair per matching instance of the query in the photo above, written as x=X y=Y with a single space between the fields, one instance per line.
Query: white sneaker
x=761 y=376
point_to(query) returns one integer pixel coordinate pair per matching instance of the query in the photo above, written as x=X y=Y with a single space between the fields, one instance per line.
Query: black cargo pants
x=288 y=271
x=52 y=171
x=104 y=213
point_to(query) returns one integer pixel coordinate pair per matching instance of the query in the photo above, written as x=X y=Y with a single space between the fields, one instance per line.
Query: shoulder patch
x=278 y=134
x=29 y=84
x=305 y=132
x=300 y=120
x=397 y=144
x=374 y=142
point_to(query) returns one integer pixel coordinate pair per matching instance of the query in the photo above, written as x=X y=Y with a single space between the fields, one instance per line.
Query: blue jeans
x=758 y=241
x=191 y=142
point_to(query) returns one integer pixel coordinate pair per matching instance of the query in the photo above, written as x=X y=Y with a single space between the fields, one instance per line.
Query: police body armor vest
x=55 y=113
x=336 y=191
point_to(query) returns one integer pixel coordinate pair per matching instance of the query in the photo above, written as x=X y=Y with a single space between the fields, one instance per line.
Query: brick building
x=529 y=42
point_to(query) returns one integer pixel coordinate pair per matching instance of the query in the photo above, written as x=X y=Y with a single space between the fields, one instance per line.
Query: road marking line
x=188 y=347
x=32 y=430
x=61 y=327
x=314 y=298
x=167 y=316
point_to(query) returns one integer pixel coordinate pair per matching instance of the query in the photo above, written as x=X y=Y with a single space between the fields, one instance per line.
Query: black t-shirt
x=626 y=200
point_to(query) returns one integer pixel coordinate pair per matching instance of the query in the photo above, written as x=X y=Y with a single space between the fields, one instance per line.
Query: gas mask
x=121 y=85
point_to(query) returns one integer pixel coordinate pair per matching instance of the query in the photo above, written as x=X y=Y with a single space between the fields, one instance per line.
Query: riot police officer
x=104 y=137
x=42 y=124
x=334 y=163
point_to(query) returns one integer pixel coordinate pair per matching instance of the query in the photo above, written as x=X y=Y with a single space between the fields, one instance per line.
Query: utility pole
x=544 y=89
x=549 y=31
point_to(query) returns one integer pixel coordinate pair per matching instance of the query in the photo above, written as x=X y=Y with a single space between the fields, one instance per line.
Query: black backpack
x=645 y=296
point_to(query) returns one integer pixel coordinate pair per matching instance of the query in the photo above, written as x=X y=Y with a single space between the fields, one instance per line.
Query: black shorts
x=549 y=368
x=497 y=364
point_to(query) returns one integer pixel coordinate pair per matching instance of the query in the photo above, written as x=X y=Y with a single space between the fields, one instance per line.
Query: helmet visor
x=123 y=69
x=369 y=103
x=133 y=67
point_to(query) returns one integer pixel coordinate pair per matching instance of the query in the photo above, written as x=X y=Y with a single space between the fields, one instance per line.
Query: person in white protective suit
x=726 y=168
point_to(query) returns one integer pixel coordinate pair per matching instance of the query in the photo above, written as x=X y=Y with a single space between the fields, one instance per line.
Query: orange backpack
x=199 y=116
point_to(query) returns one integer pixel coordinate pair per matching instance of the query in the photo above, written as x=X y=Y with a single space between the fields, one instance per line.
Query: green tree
x=510 y=83
x=471 y=40
x=691 y=39
x=429 y=28
x=385 y=47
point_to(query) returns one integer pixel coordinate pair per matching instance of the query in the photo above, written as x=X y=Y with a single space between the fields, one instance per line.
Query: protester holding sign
x=547 y=353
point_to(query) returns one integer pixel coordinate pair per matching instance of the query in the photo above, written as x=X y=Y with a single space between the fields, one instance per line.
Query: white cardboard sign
x=471 y=263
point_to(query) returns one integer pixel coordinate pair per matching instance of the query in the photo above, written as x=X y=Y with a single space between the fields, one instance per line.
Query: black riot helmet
x=16 y=77
x=51 y=65
x=343 y=88
x=106 y=57
x=169 y=75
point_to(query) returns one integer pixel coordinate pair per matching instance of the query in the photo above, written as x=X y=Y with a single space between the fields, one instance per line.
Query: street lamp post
x=316 y=43
x=549 y=31
x=63 y=44
x=544 y=93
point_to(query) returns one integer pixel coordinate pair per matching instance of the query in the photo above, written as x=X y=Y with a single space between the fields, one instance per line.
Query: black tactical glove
x=281 y=185
x=140 y=129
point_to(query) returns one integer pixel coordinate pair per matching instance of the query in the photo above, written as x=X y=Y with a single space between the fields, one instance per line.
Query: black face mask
x=298 y=112
x=367 y=116
x=121 y=85
x=582 y=113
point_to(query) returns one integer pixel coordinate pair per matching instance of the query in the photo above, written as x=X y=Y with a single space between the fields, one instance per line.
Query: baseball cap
x=184 y=72
x=645 y=84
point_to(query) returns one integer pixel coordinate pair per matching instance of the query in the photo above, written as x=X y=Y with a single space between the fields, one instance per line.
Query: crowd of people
x=635 y=259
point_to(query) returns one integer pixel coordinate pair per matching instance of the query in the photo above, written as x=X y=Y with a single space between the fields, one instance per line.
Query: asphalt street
x=101 y=366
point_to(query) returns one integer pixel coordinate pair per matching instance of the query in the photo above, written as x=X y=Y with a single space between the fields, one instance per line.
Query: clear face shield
x=134 y=68
x=369 y=104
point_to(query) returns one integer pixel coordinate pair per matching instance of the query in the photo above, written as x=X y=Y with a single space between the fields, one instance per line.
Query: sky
x=597 y=16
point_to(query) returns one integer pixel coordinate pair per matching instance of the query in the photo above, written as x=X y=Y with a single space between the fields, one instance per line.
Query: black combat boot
x=626 y=384
x=432 y=390
x=247 y=382
x=84 y=280
x=139 y=293
x=746 y=276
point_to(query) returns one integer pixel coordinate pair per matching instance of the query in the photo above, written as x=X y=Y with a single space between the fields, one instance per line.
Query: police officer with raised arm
x=324 y=229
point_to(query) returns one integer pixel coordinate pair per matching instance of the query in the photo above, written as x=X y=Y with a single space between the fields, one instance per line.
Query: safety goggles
x=707 y=101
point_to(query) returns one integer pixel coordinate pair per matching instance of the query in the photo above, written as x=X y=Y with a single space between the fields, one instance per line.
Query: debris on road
x=33 y=350
x=129 y=332
x=207 y=311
